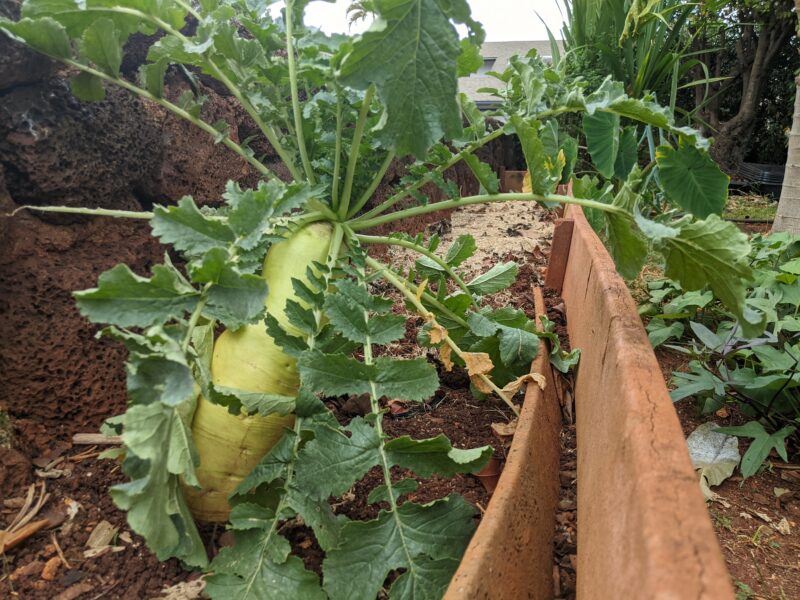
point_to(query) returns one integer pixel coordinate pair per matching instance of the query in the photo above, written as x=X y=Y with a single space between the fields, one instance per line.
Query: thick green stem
x=344 y=206
x=365 y=223
x=387 y=241
x=399 y=284
x=376 y=181
x=96 y=212
x=298 y=115
x=405 y=192
x=176 y=110
x=337 y=158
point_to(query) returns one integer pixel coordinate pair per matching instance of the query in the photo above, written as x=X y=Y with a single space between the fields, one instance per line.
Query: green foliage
x=756 y=375
x=337 y=111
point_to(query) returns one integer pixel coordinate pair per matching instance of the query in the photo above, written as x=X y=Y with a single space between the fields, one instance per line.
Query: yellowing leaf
x=526 y=183
x=505 y=429
x=421 y=290
x=512 y=387
x=438 y=333
x=481 y=384
x=478 y=363
x=445 y=355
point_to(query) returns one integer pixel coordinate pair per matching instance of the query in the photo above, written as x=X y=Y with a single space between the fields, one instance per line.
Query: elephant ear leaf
x=410 y=54
x=691 y=179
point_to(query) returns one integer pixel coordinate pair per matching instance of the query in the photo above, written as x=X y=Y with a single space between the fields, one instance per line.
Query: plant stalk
x=365 y=223
x=428 y=316
x=344 y=206
x=298 y=115
x=96 y=212
x=376 y=181
x=387 y=241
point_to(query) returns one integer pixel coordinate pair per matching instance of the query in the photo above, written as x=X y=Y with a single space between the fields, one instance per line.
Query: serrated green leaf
x=410 y=54
x=354 y=323
x=380 y=493
x=128 y=300
x=462 y=248
x=517 y=344
x=469 y=59
x=628 y=154
x=43 y=34
x=160 y=450
x=337 y=458
x=189 y=230
x=234 y=298
x=151 y=76
x=484 y=173
x=336 y=374
x=762 y=445
x=263 y=404
x=435 y=456
x=426 y=540
x=602 y=139
x=292 y=345
x=691 y=179
x=101 y=44
x=499 y=277
x=254 y=570
x=87 y=87
x=535 y=156
x=714 y=253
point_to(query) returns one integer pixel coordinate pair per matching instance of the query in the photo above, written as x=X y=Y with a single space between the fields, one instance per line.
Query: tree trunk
x=788 y=217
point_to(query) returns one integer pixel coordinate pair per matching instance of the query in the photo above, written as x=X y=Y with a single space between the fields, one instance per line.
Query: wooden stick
x=91 y=439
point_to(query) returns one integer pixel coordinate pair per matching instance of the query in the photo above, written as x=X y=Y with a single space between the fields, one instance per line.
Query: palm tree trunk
x=788 y=217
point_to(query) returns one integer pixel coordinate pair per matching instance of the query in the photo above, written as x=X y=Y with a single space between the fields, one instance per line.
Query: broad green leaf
x=710 y=339
x=697 y=382
x=410 y=54
x=517 y=344
x=484 y=173
x=462 y=248
x=602 y=139
x=762 y=444
x=659 y=332
x=436 y=456
x=337 y=458
x=381 y=493
x=691 y=179
x=188 y=229
x=628 y=154
x=234 y=298
x=499 y=277
x=535 y=156
x=353 y=322
x=128 y=300
x=256 y=402
x=246 y=572
x=151 y=76
x=101 y=44
x=87 y=87
x=43 y=34
x=160 y=450
x=714 y=253
x=426 y=540
x=469 y=59
x=336 y=374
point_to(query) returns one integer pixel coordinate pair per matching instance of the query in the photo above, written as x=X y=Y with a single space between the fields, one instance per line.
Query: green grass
x=752 y=208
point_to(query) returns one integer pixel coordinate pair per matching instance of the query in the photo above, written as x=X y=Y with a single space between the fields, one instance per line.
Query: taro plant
x=755 y=377
x=273 y=306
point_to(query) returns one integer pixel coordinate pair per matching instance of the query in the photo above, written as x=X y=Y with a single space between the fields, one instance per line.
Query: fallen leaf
x=783 y=527
x=763 y=516
x=714 y=455
x=75 y=591
x=505 y=429
x=125 y=536
x=397 y=407
x=185 y=590
x=723 y=413
x=101 y=535
x=778 y=491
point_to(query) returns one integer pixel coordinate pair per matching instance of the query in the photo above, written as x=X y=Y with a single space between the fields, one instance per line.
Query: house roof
x=502 y=53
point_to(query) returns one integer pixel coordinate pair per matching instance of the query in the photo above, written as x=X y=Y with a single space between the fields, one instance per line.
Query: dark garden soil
x=758 y=531
x=57 y=381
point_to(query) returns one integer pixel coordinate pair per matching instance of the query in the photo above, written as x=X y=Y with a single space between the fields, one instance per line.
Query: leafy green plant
x=274 y=305
x=759 y=376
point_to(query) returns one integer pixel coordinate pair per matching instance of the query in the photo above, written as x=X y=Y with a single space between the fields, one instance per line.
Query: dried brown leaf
x=505 y=429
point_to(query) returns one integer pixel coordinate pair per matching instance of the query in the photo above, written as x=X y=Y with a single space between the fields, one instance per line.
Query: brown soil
x=746 y=517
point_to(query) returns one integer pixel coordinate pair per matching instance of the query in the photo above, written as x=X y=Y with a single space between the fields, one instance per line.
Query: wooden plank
x=559 y=254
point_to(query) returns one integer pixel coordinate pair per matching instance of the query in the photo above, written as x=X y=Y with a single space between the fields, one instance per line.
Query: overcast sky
x=504 y=20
